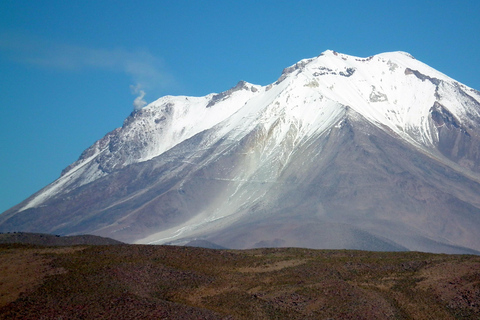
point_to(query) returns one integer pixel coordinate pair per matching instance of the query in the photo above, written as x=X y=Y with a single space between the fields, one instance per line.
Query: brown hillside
x=167 y=282
x=43 y=239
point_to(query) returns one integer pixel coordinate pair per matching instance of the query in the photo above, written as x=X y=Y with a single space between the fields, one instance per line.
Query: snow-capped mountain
x=377 y=153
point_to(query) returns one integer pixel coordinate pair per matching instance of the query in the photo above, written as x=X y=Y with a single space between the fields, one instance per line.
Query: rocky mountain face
x=378 y=153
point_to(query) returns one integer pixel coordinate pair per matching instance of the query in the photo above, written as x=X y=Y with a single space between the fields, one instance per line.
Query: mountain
x=378 y=153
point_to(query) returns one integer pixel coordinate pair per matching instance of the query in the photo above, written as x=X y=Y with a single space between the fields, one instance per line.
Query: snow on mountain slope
x=393 y=90
x=390 y=89
x=148 y=133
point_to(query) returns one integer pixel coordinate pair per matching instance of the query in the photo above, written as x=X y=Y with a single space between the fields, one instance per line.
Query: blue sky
x=70 y=70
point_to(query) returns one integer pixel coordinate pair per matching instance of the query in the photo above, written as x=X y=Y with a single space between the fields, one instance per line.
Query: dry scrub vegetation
x=166 y=282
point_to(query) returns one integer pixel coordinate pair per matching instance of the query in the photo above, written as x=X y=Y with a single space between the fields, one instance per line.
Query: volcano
x=341 y=152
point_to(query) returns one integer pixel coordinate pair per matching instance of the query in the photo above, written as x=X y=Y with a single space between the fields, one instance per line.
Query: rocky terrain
x=43 y=239
x=170 y=282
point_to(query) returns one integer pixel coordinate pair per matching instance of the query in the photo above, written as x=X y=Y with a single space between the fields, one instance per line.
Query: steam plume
x=139 y=102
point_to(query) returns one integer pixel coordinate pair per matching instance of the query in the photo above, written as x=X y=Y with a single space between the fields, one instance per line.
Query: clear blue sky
x=70 y=70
